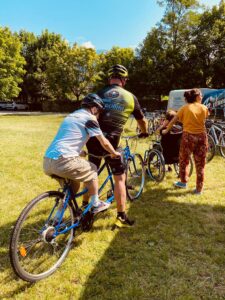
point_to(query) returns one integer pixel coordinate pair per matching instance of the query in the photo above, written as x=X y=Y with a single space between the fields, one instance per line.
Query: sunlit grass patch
x=174 y=251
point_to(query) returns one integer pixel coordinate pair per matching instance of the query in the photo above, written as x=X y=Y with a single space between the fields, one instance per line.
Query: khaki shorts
x=74 y=168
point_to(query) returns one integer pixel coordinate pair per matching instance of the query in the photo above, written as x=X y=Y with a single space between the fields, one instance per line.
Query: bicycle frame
x=126 y=150
x=127 y=153
x=212 y=132
x=68 y=195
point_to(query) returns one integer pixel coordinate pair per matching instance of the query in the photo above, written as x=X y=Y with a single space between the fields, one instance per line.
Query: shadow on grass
x=174 y=251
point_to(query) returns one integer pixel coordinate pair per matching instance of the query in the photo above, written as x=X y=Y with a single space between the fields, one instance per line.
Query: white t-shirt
x=73 y=134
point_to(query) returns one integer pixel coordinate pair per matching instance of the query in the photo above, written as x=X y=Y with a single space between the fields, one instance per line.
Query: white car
x=3 y=105
x=13 y=106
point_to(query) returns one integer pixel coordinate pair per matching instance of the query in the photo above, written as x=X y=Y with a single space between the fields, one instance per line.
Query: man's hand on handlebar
x=116 y=155
x=143 y=135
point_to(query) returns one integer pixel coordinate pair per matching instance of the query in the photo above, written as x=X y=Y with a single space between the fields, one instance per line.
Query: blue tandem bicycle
x=40 y=242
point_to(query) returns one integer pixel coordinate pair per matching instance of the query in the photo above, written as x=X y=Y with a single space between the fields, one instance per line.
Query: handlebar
x=130 y=137
x=99 y=156
x=84 y=154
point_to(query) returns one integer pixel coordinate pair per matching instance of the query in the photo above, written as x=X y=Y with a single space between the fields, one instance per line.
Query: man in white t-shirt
x=62 y=156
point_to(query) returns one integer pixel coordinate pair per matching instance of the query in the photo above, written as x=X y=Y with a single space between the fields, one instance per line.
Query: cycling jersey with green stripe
x=119 y=105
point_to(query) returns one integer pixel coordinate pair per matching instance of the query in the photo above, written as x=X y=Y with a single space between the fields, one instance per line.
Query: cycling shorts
x=94 y=147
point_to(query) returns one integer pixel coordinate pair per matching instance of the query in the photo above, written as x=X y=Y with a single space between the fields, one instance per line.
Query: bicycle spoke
x=134 y=176
x=156 y=165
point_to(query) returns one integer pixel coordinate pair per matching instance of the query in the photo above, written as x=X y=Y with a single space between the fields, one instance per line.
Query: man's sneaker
x=120 y=222
x=180 y=185
x=101 y=206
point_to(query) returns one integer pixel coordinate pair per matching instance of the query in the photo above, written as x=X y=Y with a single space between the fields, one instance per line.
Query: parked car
x=12 y=105
x=3 y=105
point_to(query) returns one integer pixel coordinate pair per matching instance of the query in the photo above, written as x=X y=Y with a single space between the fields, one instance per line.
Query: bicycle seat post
x=127 y=142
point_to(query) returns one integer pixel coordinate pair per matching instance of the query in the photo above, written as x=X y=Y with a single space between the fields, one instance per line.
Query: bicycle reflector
x=23 y=251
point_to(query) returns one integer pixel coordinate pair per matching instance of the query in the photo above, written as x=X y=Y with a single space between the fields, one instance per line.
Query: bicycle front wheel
x=156 y=165
x=211 y=149
x=34 y=252
x=135 y=176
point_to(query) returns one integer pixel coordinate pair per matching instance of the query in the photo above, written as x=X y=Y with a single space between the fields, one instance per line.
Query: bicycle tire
x=150 y=127
x=156 y=165
x=211 y=149
x=191 y=166
x=222 y=144
x=157 y=146
x=135 y=176
x=30 y=269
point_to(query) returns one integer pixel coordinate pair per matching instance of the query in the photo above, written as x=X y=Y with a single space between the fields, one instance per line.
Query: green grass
x=175 y=250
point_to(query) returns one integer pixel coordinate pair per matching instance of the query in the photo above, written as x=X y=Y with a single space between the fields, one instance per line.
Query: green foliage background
x=185 y=49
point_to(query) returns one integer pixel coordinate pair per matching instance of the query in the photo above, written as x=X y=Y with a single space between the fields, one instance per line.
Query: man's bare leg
x=120 y=197
x=86 y=197
x=92 y=187
x=120 y=192
x=75 y=186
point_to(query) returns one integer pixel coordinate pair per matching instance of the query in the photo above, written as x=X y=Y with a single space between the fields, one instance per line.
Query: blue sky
x=102 y=23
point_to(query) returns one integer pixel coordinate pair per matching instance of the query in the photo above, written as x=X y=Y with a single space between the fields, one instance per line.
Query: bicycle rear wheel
x=211 y=149
x=222 y=144
x=135 y=176
x=156 y=165
x=34 y=253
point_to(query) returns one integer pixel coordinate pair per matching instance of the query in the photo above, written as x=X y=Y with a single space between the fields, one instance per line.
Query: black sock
x=122 y=215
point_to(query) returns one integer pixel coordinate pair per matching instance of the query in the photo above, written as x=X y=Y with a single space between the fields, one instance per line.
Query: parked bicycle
x=154 y=120
x=216 y=132
x=43 y=234
x=164 y=153
x=154 y=162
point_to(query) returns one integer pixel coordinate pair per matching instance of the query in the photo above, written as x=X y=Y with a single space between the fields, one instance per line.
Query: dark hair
x=170 y=114
x=191 y=95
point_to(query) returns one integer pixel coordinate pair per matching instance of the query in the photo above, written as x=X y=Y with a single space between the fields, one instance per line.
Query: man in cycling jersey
x=62 y=156
x=119 y=105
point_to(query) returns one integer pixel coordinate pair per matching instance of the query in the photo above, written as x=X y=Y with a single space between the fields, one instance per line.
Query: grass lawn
x=175 y=250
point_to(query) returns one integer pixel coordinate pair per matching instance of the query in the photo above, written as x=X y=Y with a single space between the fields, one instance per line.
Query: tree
x=208 y=55
x=37 y=50
x=72 y=71
x=11 y=64
x=162 y=55
x=178 y=17
x=28 y=86
x=117 y=55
